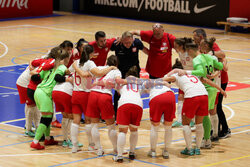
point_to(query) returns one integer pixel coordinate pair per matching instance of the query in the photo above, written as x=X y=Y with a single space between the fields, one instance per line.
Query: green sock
x=47 y=131
x=207 y=127
x=40 y=131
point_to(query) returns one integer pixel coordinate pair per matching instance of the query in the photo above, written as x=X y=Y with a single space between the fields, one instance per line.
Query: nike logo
x=199 y=10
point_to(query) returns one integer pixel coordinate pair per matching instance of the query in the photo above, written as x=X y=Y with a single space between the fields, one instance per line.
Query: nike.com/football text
x=177 y=6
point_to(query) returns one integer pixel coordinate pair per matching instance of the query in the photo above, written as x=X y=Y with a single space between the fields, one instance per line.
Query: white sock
x=65 y=122
x=179 y=111
x=214 y=122
x=69 y=127
x=187 y=136
x=33 y=115
x=121 y=141
x=88 y=128
x=54 y=113
x=199 y=134
x=168 y=136
x=35 y=141
x=25 y=112
x=112 y=135
x=133 y=140
x=96 y=135
x=37 y=118
x=74 y=133
x=153 y=137
x=28 y=119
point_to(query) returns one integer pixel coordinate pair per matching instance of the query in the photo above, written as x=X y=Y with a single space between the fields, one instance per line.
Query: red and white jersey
x=82 y=84
x=158 y=90
x=65 y=87
x=73 y=57
x=109 y=76
x=190 y=85
x=24 y=79
x=186 y=61
x=130 y=93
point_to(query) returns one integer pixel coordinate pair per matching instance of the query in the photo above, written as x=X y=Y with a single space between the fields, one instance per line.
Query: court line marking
x=231 y=110
x=221 y=162
x=8 y=87
x=6 y=49
x=15 y=93
x=14 y=65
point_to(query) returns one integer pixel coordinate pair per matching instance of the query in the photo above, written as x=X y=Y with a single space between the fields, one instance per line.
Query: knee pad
x=46 y=121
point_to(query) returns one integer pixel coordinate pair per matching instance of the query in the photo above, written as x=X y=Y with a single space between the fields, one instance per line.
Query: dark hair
x=183 y=41
x=65 y=44
x=177 y=64
x=191 y=46
x=58 y=53
x=132 y=71
x=201 y=32
x=99 y=34
x=80 y=43
x=210 y=42
x=87 y=50
x=112 y=60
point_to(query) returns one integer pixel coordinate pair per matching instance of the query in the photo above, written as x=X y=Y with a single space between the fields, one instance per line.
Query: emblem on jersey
x=106 y=49
x=134 y=49
x=96 y=54
x=164 y=43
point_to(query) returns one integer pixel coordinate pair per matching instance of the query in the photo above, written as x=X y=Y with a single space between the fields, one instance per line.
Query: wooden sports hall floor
x=23 y=40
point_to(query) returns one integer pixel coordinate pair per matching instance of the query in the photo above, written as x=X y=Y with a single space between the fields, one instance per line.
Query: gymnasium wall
x=240 y=8
x=25 y=8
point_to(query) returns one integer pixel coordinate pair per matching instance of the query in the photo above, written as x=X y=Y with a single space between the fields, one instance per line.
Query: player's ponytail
x=132 y=71
x=87 y=50
x=177 y=64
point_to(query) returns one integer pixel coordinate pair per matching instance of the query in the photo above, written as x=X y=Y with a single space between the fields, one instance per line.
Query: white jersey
x=109 y=76
x=65 y=87
x=158 y=90
x=131 y=94
x=190 y=85
x=24 y=79
x=82 y=84
x=186 y=61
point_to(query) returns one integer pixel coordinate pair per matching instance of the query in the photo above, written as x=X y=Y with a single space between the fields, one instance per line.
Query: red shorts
x=23 y=96
x=129 y=114
x=180 y=91
x=217 y=97
x=79 y=102
x=62 y=101
x=195 y=106
x=100 y=104
x=164 y=103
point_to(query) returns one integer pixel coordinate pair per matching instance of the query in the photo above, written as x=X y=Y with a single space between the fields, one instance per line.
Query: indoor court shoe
x=165 y=154
x=192 y=124
x=99 y=152
x=197 y=151
x=131 y=155
x=29 y=133
x=187 y=152
x=214 y=139
x=75 y=149
x=91 y=147
x=118 y=159
x=225 y=134
x=206 y=144
x=176 y=124
x=65 y=143
x=36 y=146
x=50 y=142
x=71 y=145
x=56 y=124
x=152 y=154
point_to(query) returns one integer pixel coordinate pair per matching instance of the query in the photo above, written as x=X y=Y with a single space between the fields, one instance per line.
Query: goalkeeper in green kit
x=43 y=96
x=204 y=65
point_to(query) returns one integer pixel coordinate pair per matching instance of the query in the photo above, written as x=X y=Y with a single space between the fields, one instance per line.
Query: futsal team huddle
x=80 y=81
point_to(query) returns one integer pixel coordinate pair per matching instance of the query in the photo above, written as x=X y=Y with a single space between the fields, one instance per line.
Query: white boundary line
x=231 y=110
x=6 y=49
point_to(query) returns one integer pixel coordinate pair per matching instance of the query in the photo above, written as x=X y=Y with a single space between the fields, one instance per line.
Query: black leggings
x=220 y=112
